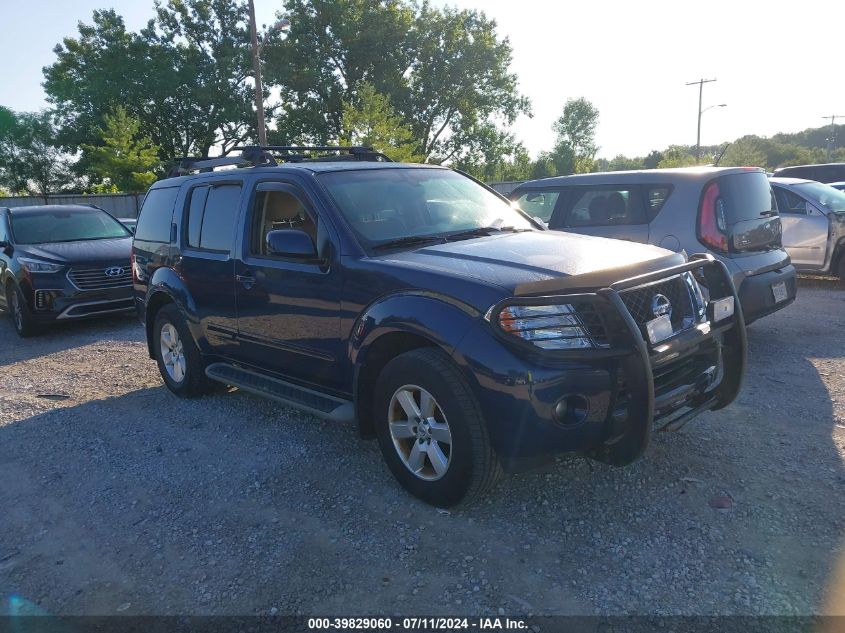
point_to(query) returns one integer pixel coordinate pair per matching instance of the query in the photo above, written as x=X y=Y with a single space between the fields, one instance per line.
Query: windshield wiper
x=409 y=240
x=482 y=231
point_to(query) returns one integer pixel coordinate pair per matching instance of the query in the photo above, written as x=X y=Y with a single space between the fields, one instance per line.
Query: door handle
x=246 y=280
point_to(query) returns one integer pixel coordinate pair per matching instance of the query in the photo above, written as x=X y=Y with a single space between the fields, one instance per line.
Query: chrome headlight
x=37 y=266
x=546 y=326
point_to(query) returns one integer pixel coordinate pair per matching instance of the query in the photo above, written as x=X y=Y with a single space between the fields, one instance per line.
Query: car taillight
x=711 y=220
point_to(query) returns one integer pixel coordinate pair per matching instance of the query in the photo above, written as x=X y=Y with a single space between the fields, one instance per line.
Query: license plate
x=779 y=291
x=659 y=329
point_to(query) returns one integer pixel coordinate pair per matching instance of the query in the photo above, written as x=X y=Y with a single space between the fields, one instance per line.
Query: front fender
x=440 y=319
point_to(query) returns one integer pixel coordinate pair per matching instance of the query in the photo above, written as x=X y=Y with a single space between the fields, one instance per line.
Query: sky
x=777 y=66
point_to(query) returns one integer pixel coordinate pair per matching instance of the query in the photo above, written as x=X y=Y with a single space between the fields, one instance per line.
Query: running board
x=314 y=402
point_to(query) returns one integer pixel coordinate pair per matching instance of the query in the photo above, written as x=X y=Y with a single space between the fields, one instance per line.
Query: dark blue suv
x=420 y=303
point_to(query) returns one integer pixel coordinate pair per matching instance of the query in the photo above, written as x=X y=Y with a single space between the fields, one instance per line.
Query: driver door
x=288 y=307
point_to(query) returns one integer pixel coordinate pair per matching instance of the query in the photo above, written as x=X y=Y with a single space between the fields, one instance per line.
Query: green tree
x=575 y=147
x=371 y=120
x=497 y=158
x=125 y=159
x=184 y=77
x=30 y=160
x=747 y=151
x=445 y=71
x=680 y=156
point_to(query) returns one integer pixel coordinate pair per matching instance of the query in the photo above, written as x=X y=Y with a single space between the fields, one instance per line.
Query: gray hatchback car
x=729 y=212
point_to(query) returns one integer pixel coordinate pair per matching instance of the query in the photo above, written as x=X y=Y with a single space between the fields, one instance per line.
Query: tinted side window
x=605 y=206
x=218 y=221
x=195 y=211
x=4 y=234
x=538 y=204
x=157 y=215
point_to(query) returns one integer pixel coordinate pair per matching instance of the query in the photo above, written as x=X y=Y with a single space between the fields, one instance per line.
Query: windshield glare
x=62 y=225
x=830 y=198
x=382 y=205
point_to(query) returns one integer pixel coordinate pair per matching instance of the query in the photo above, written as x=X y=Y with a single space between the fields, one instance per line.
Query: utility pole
x=256 y=65
x=700 y=83
x=831 y=140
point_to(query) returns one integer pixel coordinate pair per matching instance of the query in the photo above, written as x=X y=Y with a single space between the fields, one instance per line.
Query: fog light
x=571 y=410
x=561 y=409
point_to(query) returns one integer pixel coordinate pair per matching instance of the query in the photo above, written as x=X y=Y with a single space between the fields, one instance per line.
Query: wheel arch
x=392 y=326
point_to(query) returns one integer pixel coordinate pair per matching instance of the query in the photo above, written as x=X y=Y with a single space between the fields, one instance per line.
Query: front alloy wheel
x=420 y=432
x=431 y=431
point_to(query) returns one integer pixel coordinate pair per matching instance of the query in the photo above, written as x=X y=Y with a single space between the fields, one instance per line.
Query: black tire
x=193 y=380
x=840 y=269
x=473 y=467
x=22 y=318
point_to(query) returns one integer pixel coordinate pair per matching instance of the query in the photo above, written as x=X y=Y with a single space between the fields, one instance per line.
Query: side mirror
x=290 y=243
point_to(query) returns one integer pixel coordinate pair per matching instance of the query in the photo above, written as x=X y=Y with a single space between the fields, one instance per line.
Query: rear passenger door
x=289 y=307
x=205 y=264
x=614 y=211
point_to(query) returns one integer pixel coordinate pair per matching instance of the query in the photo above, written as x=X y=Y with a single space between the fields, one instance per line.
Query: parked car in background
x=728 y=212
x=129 y=223
x=62 y=262
x=824 y=172
x=813 y=217
x=412 y=298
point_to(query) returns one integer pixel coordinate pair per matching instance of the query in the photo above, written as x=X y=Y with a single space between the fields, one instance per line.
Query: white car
x=813 y=219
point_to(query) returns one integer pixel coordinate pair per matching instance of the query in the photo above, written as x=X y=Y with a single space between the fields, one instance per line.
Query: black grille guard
x=637 y=358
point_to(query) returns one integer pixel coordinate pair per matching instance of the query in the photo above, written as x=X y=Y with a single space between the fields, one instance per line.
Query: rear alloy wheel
x=431 y=431
x=21 y=318
x=179 y=361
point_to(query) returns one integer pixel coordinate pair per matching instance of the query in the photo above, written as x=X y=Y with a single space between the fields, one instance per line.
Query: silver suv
x=729 y=212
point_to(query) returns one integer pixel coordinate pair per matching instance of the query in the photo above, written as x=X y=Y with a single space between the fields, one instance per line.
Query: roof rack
x=272 y=155
x=304 y=153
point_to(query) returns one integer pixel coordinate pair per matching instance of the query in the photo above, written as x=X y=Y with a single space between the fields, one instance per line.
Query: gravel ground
x=117 y=497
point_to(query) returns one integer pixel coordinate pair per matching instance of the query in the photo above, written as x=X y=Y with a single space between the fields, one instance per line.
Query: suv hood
x=107 y=251
x=540 y=262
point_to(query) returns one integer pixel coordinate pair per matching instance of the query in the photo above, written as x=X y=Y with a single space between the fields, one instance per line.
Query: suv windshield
x=830 y=198
x=386 y=205
x=63 y=225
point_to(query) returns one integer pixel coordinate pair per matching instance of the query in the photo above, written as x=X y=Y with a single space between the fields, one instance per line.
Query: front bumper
x=53 y=298
x=628 y=387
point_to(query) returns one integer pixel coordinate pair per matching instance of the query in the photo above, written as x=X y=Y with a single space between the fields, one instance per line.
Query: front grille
x=676 y=289
x=97 y=279
x=592 y=322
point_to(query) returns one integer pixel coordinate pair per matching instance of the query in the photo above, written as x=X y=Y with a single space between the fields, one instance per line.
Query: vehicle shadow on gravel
x=774 y=458
x=231 y=504
x=59 y=338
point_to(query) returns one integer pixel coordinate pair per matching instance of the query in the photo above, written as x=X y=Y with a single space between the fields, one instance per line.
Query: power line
x=700 y=83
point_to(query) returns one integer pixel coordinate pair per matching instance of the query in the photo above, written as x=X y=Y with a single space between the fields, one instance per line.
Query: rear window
x=211 y=217
x=746 y=197
x=65 y=225
x=157 y=215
